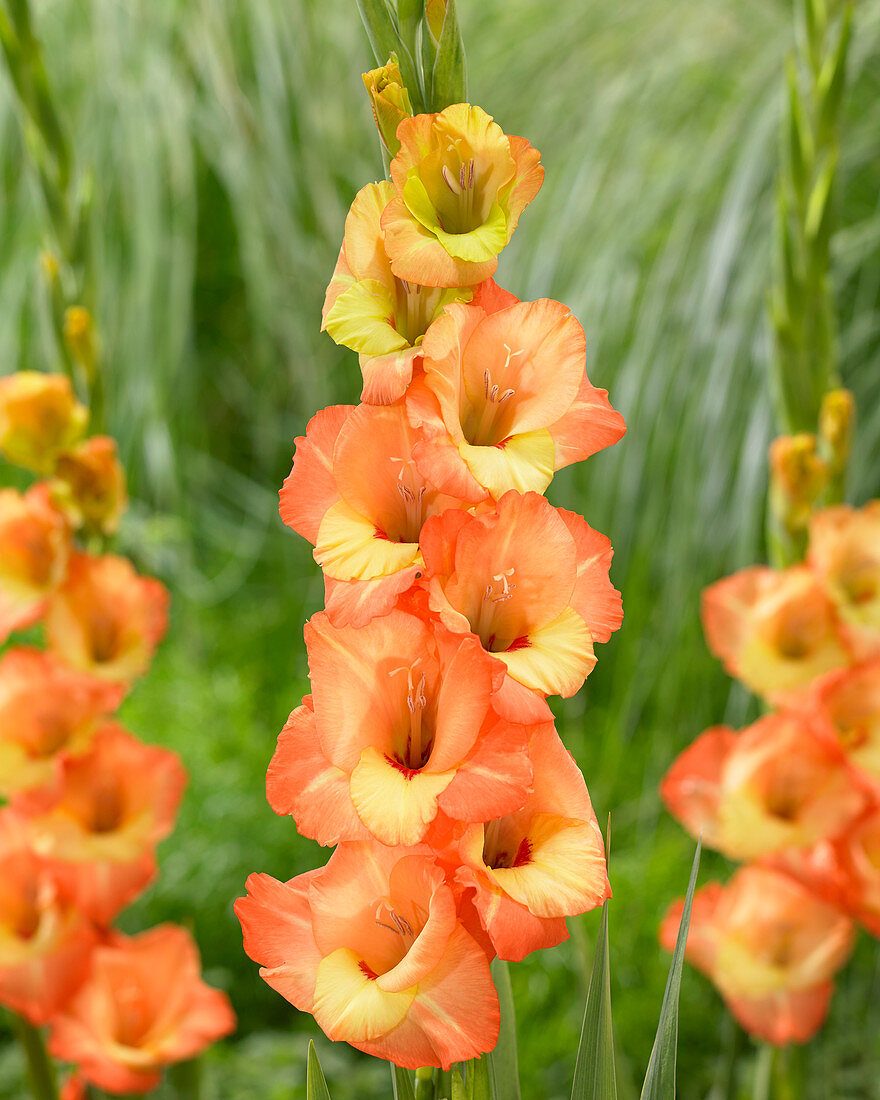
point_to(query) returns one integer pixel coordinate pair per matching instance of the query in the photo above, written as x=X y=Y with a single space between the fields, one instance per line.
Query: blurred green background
x=228 y=138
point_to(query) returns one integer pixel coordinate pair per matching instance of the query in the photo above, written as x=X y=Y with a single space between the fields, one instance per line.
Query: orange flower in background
x=771 y=787
x=369 y=310
x=845 y=552
x=461 y=186
x=372 y=946
x=39 y=418
x=770 y=946
x=46 y=710
x=777 y=631
x=844 y=708
x=106 y=619
x=399 y=727
x=356 y=494
x=531 y=582
x=34 y=549
x=45 y=941
x=505 y=399
x=144 y=1007
x=532 y=868
x=100 y=821
x=89 y=486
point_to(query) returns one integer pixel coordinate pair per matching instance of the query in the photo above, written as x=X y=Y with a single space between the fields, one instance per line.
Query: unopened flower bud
x=51 y=268
x=90 y=487
x=39 y=418
x=79 y=335
x=797 y=477
x=435 y=11
x=836 y=424
x=390 y=102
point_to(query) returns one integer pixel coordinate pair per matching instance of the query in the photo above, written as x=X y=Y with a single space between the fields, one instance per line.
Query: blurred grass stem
x=40 y=1072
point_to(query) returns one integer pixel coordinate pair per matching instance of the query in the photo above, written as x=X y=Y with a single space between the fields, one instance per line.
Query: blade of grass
x=660 y=1078
x=595 y=1077
x=316 y=1086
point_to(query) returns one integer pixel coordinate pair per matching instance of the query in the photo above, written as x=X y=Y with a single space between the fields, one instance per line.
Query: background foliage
x=228 y=138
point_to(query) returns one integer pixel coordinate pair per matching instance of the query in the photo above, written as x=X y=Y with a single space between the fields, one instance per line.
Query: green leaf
x=409 y=14
x=660 y=1078
x=502 y=1061
x=459 y=1090
x=380 y=28
x=316 y=1086
x=480 y=1086
x=401 y=1084
x=594 y=1073
x=450 y=68
x=831 y=81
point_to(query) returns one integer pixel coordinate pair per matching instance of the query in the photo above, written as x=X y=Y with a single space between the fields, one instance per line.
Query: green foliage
x=503 y=1062
x=316 y=1086
x=595 y=1076
x=227 y=141
x=401 y=1083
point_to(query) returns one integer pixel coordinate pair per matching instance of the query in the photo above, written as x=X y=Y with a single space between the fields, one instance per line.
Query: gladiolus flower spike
x=457 y=600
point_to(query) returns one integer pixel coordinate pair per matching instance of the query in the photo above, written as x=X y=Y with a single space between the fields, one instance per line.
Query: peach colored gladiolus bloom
x=355 y=493
x=532 y=868
x=45 y=940
x=531 y=582
x=369 y=310
x=106 y=619
x=34 y=549
x=143 y=1007
x=46 y=710
x=39 y=418
x=844 y=708
x=74 y=1088
x=100 y=821
x=773 y=786
x=373 y=947
x=505 y=399
x=845 y=552
x=770 y=947
x=399 y=726
x=89 y=485
x=777 y=631
x=461 y=186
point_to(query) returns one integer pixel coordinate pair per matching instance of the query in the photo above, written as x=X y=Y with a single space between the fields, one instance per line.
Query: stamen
x=507 y=588
x=450 y=181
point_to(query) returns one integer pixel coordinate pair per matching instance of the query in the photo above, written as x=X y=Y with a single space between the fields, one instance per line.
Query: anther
x=450 y=181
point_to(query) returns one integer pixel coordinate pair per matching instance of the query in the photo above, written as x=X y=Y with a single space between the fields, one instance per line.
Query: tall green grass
x=227 y=140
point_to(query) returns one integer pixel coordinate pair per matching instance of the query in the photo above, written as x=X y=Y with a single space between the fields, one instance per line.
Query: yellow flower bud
x=797 y=477
x=39 y=418
x=51 y=267
x=435 y=11
x=79 y=335
x=836 y=425
x=390 y=102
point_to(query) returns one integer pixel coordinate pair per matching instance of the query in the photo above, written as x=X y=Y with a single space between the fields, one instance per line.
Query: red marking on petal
x=518 y=643
x=407 y=773
x=368 y=971
x=524 y=853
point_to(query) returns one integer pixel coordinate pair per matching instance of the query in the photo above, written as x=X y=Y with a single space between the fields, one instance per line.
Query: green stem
x=40 y=1070
x=764 y=1071
x=424 y=1083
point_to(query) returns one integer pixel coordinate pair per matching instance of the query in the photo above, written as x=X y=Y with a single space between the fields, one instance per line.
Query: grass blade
x=316 y=1086
x=595 y=1077
x=503 y=1064
x=660 y=1078
x=401 y=1084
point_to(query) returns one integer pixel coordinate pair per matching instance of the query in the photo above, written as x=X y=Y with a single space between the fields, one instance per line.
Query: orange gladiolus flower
x=100 y=821
x=74 y=1088
x=372 y=946
x=771 y=787
x=770 y=946
x=39 y=418
x=143 y=1007
x=399 y=727
x=34 y=548
x=505 y=400
x=369 y=310
x=89 y=485
x=844 y=708
x=45 y=941
x=532 y=868
x=105 y=619
x=461 y=186
x=356 y=494
x=46 y=710
x=775 y=631
x=845 y=552
x=531 y=582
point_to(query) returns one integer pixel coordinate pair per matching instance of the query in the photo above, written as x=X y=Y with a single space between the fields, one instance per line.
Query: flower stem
x=40 y=1070
x=764 y=1071
x=424 y=1083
